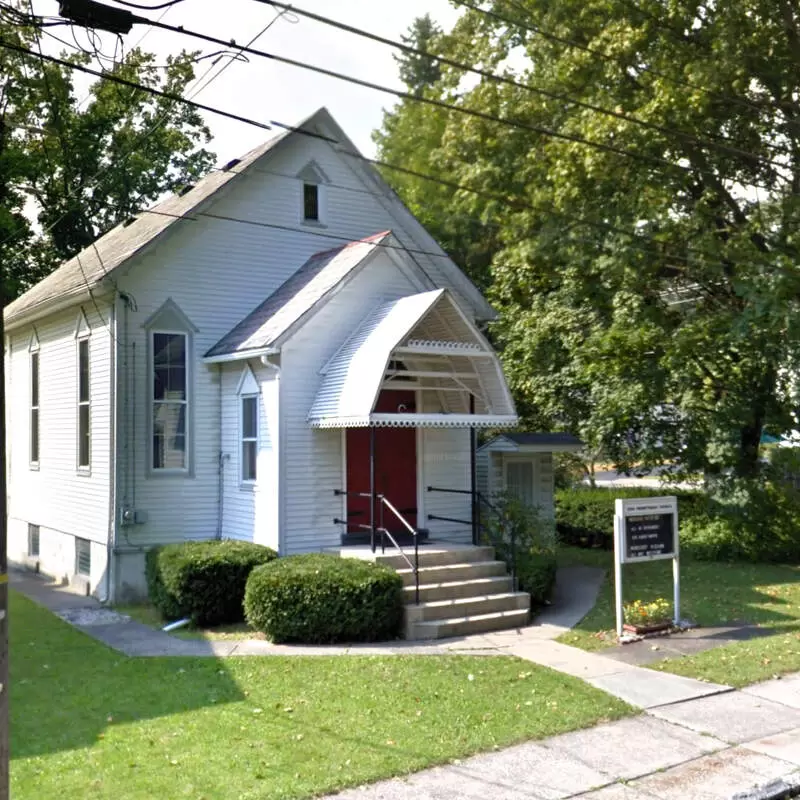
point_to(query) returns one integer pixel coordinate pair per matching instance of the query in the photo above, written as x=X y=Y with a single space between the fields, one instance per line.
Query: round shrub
x=321 y=598
x=203 y=580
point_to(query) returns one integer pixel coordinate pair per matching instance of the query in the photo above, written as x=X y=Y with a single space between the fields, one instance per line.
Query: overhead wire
x=640 y=241
x=431 y=101
x=567 y=42
x=722 y=145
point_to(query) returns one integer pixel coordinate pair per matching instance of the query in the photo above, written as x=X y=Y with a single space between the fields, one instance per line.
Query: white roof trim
x=247 y=382
x=355 y=375
x=419 y=421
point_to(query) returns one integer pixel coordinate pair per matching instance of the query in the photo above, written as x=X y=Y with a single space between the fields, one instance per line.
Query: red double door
x=395 y=467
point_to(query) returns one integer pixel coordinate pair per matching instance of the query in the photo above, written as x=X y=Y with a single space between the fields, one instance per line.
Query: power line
x=545 y=34
x=606 y=227
x=517 y=124
x=110 y=76
x=721 y=145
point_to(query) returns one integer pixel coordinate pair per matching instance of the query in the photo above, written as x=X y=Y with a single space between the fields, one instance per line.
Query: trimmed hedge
x=202 y=580
x=585 y=516
x=321 y=598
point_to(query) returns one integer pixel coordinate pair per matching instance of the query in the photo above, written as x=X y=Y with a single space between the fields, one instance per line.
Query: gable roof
x=291 y=302
x=91 y=269
x=95 y=263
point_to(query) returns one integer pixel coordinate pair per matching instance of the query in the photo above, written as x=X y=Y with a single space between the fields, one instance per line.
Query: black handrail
x=449 y=519
x=384 y=532
x=481 y=498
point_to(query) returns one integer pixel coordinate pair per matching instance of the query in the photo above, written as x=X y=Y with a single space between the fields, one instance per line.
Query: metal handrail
x=449 y=519
x=448 y=491
x=415 y=534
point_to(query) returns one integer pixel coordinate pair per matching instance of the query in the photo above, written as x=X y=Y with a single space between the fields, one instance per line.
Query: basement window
x=33 y=540
x=83 y=557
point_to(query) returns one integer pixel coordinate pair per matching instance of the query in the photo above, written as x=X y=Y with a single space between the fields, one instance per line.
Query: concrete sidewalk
x=702 y=749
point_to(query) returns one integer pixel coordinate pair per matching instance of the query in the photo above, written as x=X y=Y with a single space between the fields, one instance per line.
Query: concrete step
x=453 y=572
x=464 y=626
x=496 y=584
x=431 y=556
x=466 y=606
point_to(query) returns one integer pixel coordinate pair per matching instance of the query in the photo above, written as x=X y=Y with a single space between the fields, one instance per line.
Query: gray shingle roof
x=296 y=297
x=92 y=265
x=543 y=438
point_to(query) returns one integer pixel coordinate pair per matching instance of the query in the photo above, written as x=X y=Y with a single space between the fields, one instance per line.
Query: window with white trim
x=249 y=437
x=34 y=408
x=170 y=400
x=84 y=406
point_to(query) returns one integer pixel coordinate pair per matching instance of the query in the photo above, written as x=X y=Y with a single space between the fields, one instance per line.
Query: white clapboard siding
x=55 y=496
x=250 y=512
x=446 y=465
x=312 y=460
x=217 y=271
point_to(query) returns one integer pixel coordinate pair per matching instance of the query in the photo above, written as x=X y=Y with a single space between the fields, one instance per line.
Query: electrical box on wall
x=132 y=516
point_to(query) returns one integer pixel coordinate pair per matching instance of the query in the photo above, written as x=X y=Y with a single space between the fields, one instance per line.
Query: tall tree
x=648 y=271
x=78 y=168
x=412 y=137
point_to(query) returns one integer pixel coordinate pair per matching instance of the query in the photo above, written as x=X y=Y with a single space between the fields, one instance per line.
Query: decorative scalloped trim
x=444 y=345
x=410 y=423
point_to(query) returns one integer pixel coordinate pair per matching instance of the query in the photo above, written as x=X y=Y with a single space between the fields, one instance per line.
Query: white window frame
x=313 y=175
x=84 y=339
x=186 y=402
x=34 y=353
x=248 y=482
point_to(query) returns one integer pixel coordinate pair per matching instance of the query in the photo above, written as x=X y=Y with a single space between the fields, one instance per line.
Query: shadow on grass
x=67 y=689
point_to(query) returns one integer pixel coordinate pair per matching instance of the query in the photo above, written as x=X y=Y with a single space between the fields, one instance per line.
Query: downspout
x=112 y=454
x=221 y=465
x=266 y=360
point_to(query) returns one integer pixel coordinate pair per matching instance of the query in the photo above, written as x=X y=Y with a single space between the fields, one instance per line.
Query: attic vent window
x=184 y=190
x=311 y=202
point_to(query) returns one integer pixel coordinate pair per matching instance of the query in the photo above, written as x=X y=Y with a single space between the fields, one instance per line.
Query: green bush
x=202 y=580
x=526 y=541
x=751 y=521
x=320 y=598
x=585 y=516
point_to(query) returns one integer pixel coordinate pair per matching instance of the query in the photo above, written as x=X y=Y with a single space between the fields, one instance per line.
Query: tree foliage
x=69 y=170
x=644 y=256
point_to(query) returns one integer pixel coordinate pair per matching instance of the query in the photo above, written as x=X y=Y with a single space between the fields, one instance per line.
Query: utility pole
x=4 y=730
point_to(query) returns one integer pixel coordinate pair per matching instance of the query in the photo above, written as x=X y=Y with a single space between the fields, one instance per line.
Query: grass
x=712 y=593
x=90 y=723
x=147 y=615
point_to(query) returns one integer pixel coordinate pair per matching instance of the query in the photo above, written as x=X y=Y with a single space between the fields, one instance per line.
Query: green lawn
x=89 y=723
x=711 y=594
x=147 y=615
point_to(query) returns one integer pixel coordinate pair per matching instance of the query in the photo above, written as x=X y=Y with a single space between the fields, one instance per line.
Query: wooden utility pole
x=4 y=731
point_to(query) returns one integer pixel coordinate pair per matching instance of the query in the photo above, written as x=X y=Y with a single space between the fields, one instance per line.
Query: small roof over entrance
x=422 y=343
x=534 y=443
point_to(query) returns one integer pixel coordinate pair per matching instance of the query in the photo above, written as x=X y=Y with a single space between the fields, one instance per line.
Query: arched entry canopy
x=422 y=343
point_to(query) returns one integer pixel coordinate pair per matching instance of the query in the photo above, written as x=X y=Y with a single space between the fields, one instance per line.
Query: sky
x=264 y=90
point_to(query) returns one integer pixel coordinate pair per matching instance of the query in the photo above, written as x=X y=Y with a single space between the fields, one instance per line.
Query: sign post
x=646 y=529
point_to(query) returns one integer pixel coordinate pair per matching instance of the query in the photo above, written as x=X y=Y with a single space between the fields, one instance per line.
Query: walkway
x=703 y=749
x=575 y=594
x=694 y=740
